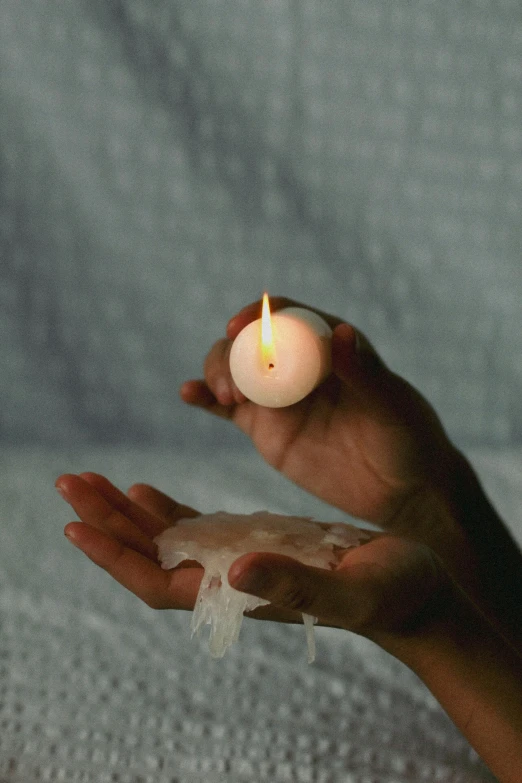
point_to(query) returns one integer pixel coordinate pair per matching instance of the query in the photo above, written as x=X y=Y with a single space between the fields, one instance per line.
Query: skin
x=428 y=591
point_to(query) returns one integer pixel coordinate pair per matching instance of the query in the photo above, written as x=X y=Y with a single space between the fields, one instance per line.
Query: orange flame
x=267 y=336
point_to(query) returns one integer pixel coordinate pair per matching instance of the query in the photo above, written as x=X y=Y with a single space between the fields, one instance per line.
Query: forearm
x=455 y=518
x=498 y=555
x=474 y=674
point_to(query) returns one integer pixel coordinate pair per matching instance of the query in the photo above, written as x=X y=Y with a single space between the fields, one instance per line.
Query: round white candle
x=296 y=362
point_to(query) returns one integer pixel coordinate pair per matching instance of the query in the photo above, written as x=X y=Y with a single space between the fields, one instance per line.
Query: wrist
x=432 y=625
x=436 y=515
x=445 y=623
x=474 y=674
x=497 y=556
x=454 y=517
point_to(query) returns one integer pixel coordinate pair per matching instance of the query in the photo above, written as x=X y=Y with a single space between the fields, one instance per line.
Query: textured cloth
x=162 y=162
x=95 y=687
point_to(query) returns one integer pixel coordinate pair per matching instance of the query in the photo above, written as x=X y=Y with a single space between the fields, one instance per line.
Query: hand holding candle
x=360 y=415
x=278 y=360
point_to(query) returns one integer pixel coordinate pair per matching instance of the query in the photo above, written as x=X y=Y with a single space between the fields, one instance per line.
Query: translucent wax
x=217 y=540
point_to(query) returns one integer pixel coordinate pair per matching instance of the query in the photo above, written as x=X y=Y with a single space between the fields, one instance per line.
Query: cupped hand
x=117 y=533
x=377 y=587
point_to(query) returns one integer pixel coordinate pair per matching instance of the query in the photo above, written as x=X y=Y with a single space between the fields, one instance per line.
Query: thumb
x=335 y=598
x=382 y=585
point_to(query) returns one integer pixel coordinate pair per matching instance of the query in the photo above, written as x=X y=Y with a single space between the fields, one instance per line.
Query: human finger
x=164 y=510
x=379 y=587
x=143 y=518
x=217 y=372
x=196 y=392
x=159 y=589
x=92 y=507
x=218 y=376
x=293 y=586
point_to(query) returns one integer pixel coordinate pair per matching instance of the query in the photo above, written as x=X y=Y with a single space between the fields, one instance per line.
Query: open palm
x=375 y=589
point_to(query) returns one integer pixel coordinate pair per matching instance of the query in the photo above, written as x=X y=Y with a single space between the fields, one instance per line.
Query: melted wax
x=217 y=540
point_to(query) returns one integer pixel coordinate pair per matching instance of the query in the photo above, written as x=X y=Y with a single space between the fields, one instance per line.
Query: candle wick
x=271 y=366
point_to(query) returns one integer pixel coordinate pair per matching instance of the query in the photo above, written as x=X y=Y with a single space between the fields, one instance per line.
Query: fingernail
x=71 y=539
x=230 y=325
x=61 y=492
x=254 y=579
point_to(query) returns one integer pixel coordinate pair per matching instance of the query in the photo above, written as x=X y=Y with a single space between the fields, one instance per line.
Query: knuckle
x=216 y=367
x=139 y=487
x=115 y=523
x=217 y=355
x=293 y=597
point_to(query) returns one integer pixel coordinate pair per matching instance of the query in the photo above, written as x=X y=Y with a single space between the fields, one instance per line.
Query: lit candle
x=279 y=359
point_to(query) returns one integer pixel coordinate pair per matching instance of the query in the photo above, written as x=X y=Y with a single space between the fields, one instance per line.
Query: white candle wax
x=297 y=362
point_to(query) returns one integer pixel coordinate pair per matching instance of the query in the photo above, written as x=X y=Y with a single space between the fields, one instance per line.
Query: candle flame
x=267 y=336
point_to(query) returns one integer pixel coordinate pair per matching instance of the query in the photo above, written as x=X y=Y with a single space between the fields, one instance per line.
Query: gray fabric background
x=162 y=163
x=165 y=161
